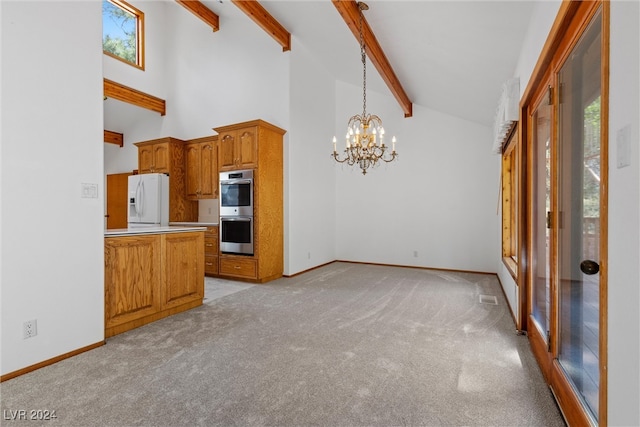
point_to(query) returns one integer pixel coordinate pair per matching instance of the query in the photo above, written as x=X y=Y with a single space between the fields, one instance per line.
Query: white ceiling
x=452 y=56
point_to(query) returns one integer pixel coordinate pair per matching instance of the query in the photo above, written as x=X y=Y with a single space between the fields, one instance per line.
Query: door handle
x=589 y=267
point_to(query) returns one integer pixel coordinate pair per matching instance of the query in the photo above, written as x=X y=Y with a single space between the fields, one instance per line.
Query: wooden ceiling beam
x=113 y=137
x=132 y=96
x=350 y=12
x=201 y=11
x=268 y=23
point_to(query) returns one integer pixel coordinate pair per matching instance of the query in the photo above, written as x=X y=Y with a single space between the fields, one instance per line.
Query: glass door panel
x=579 y=215
x=541 y=280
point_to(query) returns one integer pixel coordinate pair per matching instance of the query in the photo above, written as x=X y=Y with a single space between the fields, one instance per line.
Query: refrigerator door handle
x=138 y=210
x=141 y=198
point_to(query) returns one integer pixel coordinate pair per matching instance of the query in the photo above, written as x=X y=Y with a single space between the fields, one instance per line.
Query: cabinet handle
x=209 y=263
x=209 y=244
x=237 y=267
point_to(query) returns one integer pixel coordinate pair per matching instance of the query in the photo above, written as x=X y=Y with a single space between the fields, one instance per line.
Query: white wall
x=52 y=239
x=542 y=17
x=157 y=32
x=136 y=123
x=207 y=78
x=624 y=219
x=435 y=206
x=309 y=174
x=230 y=76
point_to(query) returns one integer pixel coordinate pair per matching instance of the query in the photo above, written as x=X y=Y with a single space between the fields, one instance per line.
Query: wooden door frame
x=571 y=21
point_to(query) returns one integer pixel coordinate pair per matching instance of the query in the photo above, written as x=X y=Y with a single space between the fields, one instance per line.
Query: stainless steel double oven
x=236 y=212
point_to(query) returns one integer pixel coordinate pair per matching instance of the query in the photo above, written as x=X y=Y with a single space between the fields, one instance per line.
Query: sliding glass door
x=566 y=122
x=579 y=181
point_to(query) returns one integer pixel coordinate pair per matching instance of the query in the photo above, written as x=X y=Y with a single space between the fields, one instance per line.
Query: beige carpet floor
x=343 y=345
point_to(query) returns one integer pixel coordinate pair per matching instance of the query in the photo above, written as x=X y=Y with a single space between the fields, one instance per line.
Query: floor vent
x=488 y=299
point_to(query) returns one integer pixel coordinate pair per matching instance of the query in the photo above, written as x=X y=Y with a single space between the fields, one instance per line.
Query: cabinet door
x=183 y=264
x=117 y=200
x=248 y=148
x=193 y=171
x=132 y=274
x=208 y=171
x=227 y=155
x=145 y=159
x=161 y=157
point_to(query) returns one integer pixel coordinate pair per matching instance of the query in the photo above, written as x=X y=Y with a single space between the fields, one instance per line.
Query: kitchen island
x=151 y=273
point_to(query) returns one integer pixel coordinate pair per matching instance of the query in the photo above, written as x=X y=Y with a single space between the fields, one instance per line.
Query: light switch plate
x=623 y=142
x=89 y=191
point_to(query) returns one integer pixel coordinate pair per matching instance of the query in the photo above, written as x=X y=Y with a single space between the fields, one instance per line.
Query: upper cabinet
x=167 y=155
x=201 y=165
x=238 y=147
x=153 y=157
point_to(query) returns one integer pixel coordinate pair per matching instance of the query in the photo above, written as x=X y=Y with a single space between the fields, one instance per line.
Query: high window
x=123 y=32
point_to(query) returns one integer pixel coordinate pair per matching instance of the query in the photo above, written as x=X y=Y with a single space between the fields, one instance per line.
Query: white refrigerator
x=148 y=200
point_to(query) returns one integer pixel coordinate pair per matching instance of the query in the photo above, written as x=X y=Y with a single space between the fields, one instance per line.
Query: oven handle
x=235 y=181
x=238 y=218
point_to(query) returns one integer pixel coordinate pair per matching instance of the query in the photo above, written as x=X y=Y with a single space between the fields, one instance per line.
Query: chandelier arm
x=335 y=155
x=393 y=157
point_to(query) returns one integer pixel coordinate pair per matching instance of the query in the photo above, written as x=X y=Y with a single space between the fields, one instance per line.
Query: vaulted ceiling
x=452 y=56
x=448 y=55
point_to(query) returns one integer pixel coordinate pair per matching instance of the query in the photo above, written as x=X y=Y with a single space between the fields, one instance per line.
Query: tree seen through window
x=122 y=31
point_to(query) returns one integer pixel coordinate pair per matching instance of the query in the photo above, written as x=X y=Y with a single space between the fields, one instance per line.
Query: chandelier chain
x=363 y=55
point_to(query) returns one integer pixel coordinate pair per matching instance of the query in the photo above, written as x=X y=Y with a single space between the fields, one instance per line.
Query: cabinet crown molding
x=250 y=123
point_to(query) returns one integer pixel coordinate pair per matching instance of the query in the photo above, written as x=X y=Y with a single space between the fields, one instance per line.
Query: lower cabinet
x=239 y=266
x=211 y=251
x=148 y=277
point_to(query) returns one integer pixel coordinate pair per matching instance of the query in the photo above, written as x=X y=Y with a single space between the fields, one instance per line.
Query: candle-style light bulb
x=393 y=144
x=334 y=144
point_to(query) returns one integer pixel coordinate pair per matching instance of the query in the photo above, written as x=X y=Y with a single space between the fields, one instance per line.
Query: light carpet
x=342 y=345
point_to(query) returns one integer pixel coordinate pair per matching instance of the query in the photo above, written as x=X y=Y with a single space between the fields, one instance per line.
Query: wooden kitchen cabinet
x=257 y=145
x=238 y=148
x=211 y=251
x=239 y=266
x=151 y=276
x=167 y=155
x=201 y=168
x=183 y=269
x=132 y=274
x=154 y=158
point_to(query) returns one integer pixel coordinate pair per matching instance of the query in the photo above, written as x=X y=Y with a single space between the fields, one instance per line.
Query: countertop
x=195 y=224
x=150 y=230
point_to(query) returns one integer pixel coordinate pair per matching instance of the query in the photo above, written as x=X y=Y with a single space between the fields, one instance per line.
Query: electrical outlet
x=308 y=255
x=415 y=254
x=30 y=329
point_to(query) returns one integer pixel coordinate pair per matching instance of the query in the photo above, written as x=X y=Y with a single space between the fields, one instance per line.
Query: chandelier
x=365 y=134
